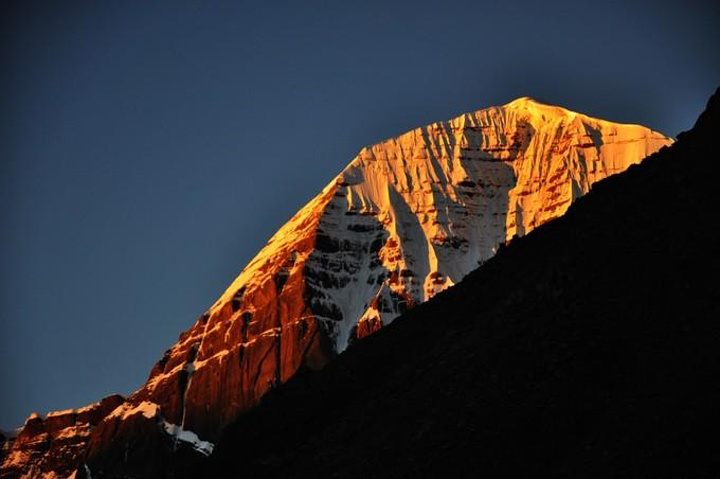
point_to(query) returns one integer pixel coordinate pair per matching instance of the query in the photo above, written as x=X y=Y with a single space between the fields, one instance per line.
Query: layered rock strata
x=407 y=218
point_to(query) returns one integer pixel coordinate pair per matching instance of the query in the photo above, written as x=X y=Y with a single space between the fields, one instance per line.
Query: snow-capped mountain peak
x=406 y=218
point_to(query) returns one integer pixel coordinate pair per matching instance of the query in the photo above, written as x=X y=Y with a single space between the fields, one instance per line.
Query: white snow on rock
x=189 y=437
x=152 y=411
x=406 y=219
x=441 y=199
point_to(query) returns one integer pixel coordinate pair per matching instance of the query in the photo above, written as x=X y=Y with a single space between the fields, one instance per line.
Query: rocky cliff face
x=53 y=446
x=590 y=348
x=407 y=218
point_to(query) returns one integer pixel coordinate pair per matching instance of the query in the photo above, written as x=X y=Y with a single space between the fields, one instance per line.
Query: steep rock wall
x=407 y=218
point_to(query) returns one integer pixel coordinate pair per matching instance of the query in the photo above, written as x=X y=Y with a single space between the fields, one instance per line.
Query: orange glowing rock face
x=53 y=443
x=406 y=219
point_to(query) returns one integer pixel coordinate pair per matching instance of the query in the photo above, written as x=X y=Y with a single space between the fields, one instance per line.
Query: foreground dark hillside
x=590 y=348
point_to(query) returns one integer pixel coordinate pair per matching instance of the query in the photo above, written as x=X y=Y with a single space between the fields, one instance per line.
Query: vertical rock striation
x=407 y=218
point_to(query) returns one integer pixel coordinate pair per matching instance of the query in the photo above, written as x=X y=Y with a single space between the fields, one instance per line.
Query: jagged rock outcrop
x=54 y=445
x=138 y=441
x=407 y=218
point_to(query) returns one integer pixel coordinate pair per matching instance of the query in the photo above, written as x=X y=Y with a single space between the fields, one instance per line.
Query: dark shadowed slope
x=590 y=348
x=407 y=218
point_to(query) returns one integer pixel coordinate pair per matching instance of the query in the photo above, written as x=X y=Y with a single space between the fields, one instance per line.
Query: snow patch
x=151 y=411
x=189 y=437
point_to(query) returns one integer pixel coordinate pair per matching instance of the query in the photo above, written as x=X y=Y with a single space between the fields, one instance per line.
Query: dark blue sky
x=150 y=149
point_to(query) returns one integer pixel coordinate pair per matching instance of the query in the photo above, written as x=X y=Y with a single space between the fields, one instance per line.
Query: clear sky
x=149 y=150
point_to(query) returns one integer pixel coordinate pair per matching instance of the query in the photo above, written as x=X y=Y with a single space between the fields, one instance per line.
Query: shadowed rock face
x=406 y=219
x=590 y=348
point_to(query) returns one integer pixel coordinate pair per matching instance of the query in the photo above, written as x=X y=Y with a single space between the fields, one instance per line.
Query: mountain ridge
x=546 y=360
x=406 y=219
